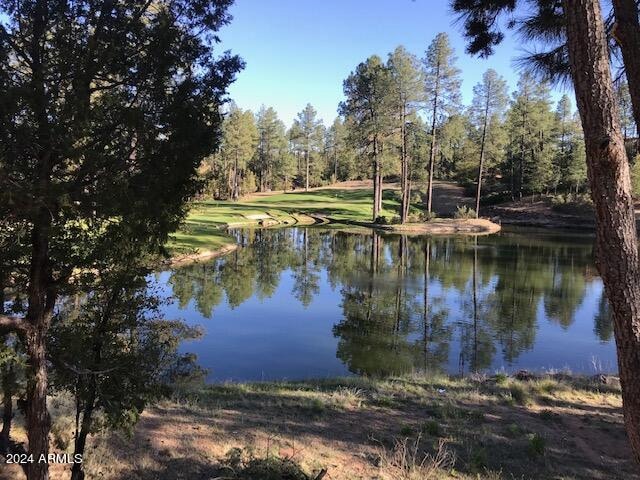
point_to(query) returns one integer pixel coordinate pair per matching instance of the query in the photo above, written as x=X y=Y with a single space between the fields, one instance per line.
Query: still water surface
x=306 y=303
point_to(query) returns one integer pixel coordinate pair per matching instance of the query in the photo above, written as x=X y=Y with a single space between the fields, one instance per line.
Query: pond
x=300 y=303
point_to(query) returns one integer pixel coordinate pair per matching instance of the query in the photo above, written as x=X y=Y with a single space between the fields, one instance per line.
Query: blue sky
x=299 y=52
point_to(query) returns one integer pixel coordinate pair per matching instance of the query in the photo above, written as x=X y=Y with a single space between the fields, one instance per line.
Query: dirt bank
x=540 y=212
x=447 y=226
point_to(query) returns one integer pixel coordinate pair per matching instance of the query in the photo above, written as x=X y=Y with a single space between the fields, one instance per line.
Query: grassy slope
x=358 y=428
x=204 y=227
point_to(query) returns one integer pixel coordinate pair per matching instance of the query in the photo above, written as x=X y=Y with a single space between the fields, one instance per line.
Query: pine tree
x=271 y=147
x=310 y=134
x=108 y=109
x=626 y=109
x=408 y=95
x=627 y=121
x=569 y=166
x=239 y=142
x=581 y=31
x=457 y=151
x=442 y=87
x=369 y=109
x=417 y=151
x=340 y=155
x=530 y=138
x=489 y=100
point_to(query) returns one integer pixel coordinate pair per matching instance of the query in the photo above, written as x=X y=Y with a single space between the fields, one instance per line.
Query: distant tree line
x=403 y=120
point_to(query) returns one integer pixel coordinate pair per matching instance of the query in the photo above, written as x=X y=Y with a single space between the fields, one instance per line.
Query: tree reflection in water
x=407 y=300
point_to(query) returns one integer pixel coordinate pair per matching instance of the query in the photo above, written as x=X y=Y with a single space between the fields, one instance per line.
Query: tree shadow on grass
x=353 y=419
x=236 y=465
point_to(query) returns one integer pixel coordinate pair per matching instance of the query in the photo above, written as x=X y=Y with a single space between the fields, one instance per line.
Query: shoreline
x=190 y=258
x=440 y=226
x=445 y=226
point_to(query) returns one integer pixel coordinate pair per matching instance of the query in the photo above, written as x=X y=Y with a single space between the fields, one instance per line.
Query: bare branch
x=86 y=371
x=12 y=324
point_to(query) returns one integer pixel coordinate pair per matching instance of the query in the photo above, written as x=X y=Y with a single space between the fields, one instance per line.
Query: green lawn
x=205 y=226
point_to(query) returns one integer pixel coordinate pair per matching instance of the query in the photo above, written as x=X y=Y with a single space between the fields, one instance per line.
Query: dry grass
x=408 y=461
x=396 y=429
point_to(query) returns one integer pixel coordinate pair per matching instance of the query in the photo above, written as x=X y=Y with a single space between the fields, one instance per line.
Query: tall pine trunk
x=404 y=170
x=627 y=33
x=306 y=166
x=376 y=179
x=380 y=178
x=77 y=471
x=425 y=301
x=432 y=159
x=434 y=144
x=8 y=380
x=235 y=194
x=608 y=172
x=481 y=164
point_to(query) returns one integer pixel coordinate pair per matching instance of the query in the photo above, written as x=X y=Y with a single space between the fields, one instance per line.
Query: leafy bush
x=464 y=212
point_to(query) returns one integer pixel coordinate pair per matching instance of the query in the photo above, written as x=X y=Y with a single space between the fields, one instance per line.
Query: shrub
x=501 y=378
x=427 y=216
x=514 y=430
x=385 y=401
x=547 y=385
x=407 y=461
x=547 y=415
x=245 y=466
x=416 y=197
x=572 y=203
x=414 y=218
x=348 y=397
x=62 y=432
x=537 y=445
x=431 y=428
x=464 y=212
x=317 y=406
x=406 y=430
x=479 y=458
x=519 y=394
